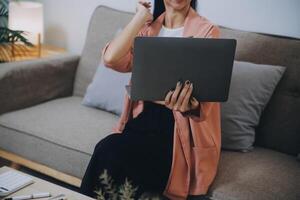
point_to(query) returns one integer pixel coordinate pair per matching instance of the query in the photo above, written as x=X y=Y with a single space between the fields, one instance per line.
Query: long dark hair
x=159 y=7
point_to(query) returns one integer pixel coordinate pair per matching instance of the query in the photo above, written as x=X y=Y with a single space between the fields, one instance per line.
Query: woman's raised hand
x=143 y=9
x=180 y=99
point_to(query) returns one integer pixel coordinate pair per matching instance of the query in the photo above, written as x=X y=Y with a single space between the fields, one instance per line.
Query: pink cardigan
x=197 y=140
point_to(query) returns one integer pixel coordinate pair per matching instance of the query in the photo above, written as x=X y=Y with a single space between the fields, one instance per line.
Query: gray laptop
x=159 y=62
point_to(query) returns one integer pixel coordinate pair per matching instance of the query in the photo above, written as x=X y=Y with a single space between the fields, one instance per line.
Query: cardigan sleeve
x=124 y=64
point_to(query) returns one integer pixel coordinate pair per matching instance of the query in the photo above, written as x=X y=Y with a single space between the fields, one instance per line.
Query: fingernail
x=191 y=85
x=187 y=82
x=178 y=83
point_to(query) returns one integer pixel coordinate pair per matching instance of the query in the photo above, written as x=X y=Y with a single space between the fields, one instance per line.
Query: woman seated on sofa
x=161 y=142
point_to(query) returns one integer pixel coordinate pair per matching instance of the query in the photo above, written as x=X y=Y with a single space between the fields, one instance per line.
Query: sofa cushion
x=61 y=133
x=107 y=90
x=279 y=125
x=251 y=88
x=262 y=174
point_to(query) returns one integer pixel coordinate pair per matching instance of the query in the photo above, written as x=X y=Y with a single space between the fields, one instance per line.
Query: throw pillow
x=107 y=90
x=251 y=87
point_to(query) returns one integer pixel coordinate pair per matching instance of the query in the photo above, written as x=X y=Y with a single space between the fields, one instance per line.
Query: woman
x=172 y=146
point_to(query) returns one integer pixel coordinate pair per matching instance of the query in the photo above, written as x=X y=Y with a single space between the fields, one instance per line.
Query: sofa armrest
x=27 y=83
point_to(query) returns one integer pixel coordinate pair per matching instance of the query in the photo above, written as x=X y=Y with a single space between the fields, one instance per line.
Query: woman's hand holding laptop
x=180 y=98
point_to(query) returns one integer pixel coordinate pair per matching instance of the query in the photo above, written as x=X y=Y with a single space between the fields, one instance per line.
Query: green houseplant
x=9 y=37
x=125 y=191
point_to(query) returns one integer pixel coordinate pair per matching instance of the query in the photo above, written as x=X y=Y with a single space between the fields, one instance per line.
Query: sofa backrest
x=279 y=126
x=103 y=25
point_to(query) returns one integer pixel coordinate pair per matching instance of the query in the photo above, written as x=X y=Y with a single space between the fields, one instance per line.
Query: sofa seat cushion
x=60 y=133
x=262 y=175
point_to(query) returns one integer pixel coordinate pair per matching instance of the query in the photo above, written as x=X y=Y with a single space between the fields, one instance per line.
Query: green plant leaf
x=3 y=13
x=125 y=191
x=4 y=4
x=9 y=36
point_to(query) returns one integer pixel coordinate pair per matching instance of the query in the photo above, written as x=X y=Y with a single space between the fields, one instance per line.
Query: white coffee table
x=40 y=185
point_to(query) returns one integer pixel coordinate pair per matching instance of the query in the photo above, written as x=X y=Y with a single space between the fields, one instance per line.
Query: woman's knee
x=107 y=142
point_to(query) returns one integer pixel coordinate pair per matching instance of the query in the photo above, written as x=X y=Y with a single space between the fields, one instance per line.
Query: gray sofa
x=44 y=125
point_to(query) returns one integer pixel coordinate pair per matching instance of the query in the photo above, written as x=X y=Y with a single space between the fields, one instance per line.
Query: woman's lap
x=141 y=156
x=144 y=159
x=142 y=152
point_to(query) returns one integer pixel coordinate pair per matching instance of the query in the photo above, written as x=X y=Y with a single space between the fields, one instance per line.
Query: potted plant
x=8 y=37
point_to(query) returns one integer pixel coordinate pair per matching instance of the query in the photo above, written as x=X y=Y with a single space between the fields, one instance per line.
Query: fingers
x=168 y=98
x=186 y=100
x=175 y=94
x=146 y=4
x=144 y=8
x=184 y=92
x=180 y=98
x=194 y=103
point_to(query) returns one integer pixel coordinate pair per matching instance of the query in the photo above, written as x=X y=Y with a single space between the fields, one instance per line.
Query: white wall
x=279 y=17
x=66 y=21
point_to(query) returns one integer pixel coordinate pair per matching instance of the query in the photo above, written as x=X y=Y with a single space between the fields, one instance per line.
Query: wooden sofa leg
x=15 y=165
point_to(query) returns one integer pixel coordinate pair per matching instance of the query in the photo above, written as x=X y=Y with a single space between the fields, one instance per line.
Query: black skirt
x=142 y=153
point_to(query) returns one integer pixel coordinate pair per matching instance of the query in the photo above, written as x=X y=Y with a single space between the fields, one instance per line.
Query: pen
x=59 y=197
x=31 y=196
